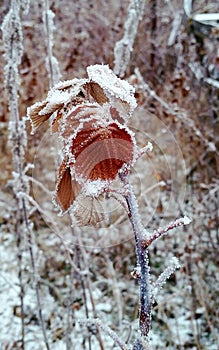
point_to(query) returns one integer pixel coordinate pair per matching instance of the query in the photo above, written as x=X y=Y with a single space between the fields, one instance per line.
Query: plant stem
x=35 y=276
x=142 y=259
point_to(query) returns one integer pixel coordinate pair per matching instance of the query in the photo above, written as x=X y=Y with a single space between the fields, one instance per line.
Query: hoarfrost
x=124 y=47
x=186 y=220
x=12 y=40
x=51 y=62
x=112 y=85
x=173 y=265
x=95 y=188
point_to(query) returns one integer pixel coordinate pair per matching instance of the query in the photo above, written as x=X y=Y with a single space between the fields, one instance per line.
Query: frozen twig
x=52 y=64
x=146 y=149
x=116 y=290
x=12 y=39
x=173 y=265
x=142 y=259
x=124 y=47
x=162 y=231
x=175 y=27
x=97 y=322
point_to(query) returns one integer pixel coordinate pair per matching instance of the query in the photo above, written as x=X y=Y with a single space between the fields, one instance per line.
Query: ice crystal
x=186 y=220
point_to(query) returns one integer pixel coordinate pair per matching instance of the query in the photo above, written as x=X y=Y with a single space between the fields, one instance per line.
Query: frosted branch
x=142 y=258
x=124 y=47
x=148 y=148
x=52 y=64
x=97 y=322
x=173 y=266
x=162 y=231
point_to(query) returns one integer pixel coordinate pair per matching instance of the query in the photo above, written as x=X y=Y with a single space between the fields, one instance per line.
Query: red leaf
x=101 y=151
x=66 y=188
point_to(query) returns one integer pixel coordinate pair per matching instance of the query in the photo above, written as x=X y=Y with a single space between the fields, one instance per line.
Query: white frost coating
x=175 y=262
x=75 y=85
x=186 y=220
x=55 y=67
x=173 y=266
x=57 y=96
x=52 y=64
x=95 y=188
x=111 y=84
x=124 y=47
x=149 y=147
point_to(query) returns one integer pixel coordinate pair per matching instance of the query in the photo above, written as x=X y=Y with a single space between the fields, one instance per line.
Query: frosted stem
x=97 y=322
x=173 y=266
x=35 y=273
x=162 y=231
x=142 y=259
x=52 y=63
x=123 y=47
x=13 y=47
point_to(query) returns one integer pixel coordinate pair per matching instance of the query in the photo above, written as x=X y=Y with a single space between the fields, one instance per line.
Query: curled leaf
x=66 y=188
x=100 y=151
x=96 y=92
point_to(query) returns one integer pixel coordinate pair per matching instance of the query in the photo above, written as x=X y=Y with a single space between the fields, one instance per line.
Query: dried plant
x=124 y=47
x=12 y=38
x=90 y=117
x=73 y=283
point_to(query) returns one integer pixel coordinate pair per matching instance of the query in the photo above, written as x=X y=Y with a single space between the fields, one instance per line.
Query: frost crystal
x=173 y=266
x=112 y=85
x=94 y=188
x=123 y=48
x=186 y=220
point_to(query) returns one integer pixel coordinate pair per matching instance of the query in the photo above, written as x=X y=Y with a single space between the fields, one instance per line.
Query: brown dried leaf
x=33 y=113
x=101 y=151
x=96 y=92
x=66 y=188
x=88 y=210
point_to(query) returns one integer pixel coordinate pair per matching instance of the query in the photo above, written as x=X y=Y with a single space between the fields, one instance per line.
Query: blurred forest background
x=85 y=272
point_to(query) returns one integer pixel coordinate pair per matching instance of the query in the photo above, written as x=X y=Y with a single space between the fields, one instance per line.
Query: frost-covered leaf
x=66 y=188
x=89 y=116
x=68 y=125
x=88 y=210
x=100 y=151
x=112 y=85
x=96 y=92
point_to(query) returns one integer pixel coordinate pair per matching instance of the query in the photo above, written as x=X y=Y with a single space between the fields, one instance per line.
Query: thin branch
x=52 y=63
x=124 y=47
x=142 y=258
x=173 y=265
x=162 y=231
x=36 y=280
x=97 y=322
x=12 y=38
